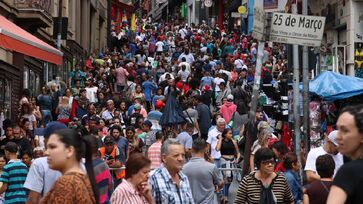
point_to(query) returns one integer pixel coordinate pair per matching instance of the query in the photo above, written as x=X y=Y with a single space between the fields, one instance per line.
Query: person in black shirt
x=9 y=136
x=21 y=141
x=348 y=182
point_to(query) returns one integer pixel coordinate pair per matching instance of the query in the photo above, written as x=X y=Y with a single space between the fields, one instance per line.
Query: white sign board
x=258 y=30
x=236 y=15
x=297 y=29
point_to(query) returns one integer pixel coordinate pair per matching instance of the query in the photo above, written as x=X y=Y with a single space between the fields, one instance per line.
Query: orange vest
x=119 y=174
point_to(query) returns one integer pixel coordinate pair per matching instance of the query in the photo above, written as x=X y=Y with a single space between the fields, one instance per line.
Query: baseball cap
x=332 y=136
x=148 y=123
x=108 y=140
x=52 y=127
x=159 y=104
x=230 y=97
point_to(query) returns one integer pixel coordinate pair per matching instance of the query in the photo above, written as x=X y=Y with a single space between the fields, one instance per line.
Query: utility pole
x=256 y=87
x=306 y=86
x=296 y=105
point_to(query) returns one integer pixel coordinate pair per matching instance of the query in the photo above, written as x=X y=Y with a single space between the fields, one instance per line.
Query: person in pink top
x=228 y=108
x=121 y=78
x=154 y=151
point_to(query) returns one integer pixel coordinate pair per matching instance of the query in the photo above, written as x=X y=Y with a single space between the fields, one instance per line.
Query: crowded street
x=181 y=102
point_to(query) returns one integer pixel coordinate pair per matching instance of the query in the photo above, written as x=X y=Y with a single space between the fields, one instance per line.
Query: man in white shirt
x=183 y=32
x=185 y=63
x=329 y=147
x=238 y=63
x=212 y=141
x=159 y=47
x=218 y=80
x=187 y=55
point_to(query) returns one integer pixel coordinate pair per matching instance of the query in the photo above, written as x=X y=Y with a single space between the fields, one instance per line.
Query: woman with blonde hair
x=262 y=141
x=63 y=110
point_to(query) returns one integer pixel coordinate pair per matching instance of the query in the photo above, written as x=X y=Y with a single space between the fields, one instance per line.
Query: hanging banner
x=133 y=22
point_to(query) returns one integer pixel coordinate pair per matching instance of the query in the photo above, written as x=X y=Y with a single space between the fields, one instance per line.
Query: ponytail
x=89 y=167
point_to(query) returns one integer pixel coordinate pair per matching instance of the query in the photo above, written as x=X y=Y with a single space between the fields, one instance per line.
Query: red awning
x=14 y=38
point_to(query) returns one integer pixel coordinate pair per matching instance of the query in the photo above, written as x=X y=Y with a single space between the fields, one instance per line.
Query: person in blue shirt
x=292 y=166
x=13 y=176
x=148 y=87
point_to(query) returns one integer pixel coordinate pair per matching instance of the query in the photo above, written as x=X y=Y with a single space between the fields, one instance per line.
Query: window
x=5 y=97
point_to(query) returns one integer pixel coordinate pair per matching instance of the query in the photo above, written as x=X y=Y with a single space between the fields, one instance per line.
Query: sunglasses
x=270 y=161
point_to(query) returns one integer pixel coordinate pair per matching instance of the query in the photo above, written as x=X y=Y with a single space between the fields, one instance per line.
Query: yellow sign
x=242 y=9
x=133 y=22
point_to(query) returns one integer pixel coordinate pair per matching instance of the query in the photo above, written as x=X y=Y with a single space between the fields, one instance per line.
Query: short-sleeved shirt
x=14 y=175
x=40 y=177
x=318 y=191
x=125 y=193
x=350 y=179
x=185 y=139
x=191 y=115
x=103 y=179
x=31 y=118
x=123 y=145
x=249 y=190
x=72 y=187
x=212 y=140
x=202 y=176
x=315 y=153
x=154 y=154
x=164 y=190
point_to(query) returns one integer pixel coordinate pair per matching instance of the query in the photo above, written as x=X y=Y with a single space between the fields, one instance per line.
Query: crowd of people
x=162 y=117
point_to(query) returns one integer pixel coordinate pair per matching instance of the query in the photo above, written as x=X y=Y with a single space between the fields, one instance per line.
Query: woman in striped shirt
x=264 y=185
x=134 y=188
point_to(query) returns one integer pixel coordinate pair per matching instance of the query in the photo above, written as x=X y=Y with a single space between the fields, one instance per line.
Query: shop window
x=31 y=81
x=5 y=97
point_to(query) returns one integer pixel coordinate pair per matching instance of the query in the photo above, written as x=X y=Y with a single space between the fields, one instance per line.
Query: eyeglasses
x=270 y=161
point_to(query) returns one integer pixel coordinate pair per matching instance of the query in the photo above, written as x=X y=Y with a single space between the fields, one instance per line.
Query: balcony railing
x=36 y=5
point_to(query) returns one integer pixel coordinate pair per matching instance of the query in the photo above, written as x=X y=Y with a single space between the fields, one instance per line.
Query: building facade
x=86 y=33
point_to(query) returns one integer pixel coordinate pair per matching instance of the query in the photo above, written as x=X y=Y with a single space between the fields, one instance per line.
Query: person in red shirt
x=280 y=150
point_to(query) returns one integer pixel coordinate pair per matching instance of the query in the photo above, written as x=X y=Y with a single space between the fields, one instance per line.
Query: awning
x=14 y=38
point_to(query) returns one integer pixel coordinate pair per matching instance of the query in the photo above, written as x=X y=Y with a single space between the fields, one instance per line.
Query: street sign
x=297 y=29
x=236 y=15
x=258 y=30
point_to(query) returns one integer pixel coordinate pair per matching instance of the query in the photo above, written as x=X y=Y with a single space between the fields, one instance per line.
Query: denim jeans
x=47 y=116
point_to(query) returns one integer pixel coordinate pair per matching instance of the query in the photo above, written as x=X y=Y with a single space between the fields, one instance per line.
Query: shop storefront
x=22 y=62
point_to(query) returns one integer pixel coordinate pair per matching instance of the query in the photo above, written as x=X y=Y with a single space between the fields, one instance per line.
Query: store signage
x=297 y=29
x=236 y=15
x=258 y=29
